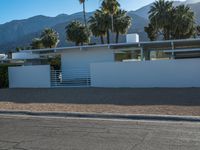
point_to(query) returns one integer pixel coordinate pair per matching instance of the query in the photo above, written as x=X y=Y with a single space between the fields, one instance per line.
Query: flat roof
x=168 y=44
x=149 y=45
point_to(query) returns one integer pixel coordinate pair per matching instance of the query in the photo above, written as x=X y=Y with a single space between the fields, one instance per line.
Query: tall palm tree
x=183 y=23
x=160 y=14
x=110 y=7
x=49 y=38
x=84 y=12
x=97 y=25
x=103 y=23
x=122 y=23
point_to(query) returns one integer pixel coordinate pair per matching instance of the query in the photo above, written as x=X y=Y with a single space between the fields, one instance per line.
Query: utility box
x=132 y=38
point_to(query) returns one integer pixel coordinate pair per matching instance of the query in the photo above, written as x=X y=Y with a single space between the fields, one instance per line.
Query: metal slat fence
x=71 y=78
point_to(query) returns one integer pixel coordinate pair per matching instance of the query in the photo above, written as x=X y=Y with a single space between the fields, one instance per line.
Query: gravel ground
x=167 y=101
x=150 y=109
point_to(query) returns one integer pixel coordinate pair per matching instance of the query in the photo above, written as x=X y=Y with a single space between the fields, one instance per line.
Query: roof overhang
x=150 y=45
x=160 y=45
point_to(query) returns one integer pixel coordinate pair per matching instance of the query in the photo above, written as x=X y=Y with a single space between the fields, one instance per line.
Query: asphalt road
x=26 y=133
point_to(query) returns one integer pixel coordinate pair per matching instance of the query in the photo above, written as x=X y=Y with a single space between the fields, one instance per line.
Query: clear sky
x=22 y=9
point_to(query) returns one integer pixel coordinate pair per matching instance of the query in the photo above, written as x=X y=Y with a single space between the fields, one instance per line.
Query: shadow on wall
x=115 y=96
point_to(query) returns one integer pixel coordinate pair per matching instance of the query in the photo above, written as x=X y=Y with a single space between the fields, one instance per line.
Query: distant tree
x=23 y=48
x=122 y=23
x=49 y=38
x=17 y=49
x=37 y=43
x=84 y=12
x=78 y=33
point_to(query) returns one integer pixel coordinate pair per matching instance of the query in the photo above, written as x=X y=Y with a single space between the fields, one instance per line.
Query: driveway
x=26 y=133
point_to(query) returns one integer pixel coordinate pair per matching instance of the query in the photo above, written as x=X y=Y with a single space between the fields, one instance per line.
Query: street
x=34 y=133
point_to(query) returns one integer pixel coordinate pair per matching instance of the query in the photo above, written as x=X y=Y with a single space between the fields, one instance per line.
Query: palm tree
x=122 y=23
x=110 y=7
x=151 y=32
x=183 y=23
x=36 y=44
x=84 y=12
x=160 y=14
x=78 y=33
x=49 y=38
x=97 y=25
x=102 y=21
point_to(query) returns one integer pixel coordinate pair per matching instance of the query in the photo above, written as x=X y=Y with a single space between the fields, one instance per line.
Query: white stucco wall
x=160 y=73
x=29 y=76
x=76 y=62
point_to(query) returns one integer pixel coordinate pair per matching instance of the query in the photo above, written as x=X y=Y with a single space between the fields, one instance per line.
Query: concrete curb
x=104 y=116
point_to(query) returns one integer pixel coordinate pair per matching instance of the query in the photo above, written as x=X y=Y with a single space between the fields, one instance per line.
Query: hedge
x=4 y=83
x=4 y=76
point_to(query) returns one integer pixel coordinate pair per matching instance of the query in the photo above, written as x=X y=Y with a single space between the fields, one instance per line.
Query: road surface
x=31 y=133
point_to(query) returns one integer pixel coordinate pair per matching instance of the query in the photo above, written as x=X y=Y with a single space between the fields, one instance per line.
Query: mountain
x=193 y=4
x=192 y=1
x=196 y=9
x=23 y=31
x=143 y=12
x=19 y=33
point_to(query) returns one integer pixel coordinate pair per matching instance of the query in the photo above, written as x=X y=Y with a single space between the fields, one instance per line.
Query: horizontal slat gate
x=72 y=78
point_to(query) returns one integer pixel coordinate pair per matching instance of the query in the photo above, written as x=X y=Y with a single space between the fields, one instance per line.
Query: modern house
x=173 y=63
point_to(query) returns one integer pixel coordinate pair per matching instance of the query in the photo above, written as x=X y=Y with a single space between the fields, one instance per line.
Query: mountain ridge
x=23 y=38
x=18 y=33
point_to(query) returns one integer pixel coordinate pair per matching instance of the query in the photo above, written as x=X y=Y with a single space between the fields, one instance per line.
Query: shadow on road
x=118 y=96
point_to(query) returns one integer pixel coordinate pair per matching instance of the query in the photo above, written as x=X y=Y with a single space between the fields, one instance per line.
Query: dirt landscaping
x=155 y=109
x=128 y=101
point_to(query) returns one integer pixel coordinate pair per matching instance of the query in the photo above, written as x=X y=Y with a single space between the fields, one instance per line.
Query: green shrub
x=4 y=76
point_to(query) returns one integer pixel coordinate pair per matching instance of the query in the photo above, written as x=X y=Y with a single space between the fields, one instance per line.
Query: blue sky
x=22 y=9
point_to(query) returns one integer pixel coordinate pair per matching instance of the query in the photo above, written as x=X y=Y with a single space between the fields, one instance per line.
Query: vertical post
x=173 y=55
x=142 y=54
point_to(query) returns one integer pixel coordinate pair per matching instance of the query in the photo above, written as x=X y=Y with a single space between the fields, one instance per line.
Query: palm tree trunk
x=108 y=36
x=112 y=23
x=166 y=34
x=102 y=40
x=117 y=37
x=84 y=14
